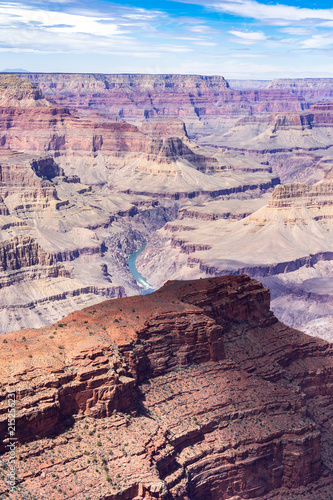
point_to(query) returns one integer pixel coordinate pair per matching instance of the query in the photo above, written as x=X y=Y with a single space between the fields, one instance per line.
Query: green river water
x=139 y=278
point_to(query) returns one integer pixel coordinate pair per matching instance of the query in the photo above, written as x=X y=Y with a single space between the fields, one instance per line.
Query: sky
x=238 y=39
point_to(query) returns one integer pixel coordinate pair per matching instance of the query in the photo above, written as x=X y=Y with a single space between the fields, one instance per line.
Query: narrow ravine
x=147 y=288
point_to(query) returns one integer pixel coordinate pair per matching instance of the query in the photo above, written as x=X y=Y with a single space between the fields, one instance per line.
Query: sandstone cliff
x=193 y=392
x=118 y=154
x=22 y=94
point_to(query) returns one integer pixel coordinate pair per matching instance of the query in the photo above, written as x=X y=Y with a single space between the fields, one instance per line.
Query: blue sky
x=245 y=39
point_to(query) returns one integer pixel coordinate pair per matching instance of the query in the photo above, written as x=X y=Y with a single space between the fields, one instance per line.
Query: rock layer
x=77 y=191
x=192 y=98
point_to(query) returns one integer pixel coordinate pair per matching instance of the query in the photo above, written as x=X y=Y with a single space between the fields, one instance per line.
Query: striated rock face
x=90 y=191
x=297 y=218
x=22 y=252
x=193 y=392
x=153 y=337
x=271 y=119
x=155 y=160
x=40 y=126
x=118 y=82
x=173 y=127
x=66 y=233
x=318 y=198
x=205 y=103
x=54 y=229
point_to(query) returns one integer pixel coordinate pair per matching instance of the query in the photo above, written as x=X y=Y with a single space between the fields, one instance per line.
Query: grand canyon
x=218 y=384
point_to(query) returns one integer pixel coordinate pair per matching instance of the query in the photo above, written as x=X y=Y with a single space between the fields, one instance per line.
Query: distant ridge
x=14 y=70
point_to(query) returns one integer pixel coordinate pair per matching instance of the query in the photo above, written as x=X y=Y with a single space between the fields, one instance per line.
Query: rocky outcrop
x=231 y=403
x=318 y=197
x=151 y=345
x=117 y=82
x=81 y=193
x=22 y=252
x=101 y=146
x=173 y=127
x=95 y=388
x=17 y=93
x=206 y=240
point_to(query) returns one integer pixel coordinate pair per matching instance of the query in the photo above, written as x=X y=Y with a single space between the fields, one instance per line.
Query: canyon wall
x=204 y=103
x=312 y=89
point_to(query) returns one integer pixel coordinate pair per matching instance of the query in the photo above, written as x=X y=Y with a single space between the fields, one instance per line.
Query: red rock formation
x=232 y=403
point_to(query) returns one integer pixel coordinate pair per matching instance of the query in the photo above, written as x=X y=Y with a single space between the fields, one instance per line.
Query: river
x=139 y=278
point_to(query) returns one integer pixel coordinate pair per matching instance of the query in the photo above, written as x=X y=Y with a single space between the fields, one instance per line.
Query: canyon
x=208 y=172
x=218 y=385
x=195 y=391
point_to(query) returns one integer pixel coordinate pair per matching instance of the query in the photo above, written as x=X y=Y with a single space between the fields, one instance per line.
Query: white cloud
x=297 y=31
x=327 y=24
x=26 y=28
x=201 y=28
x=252 y=36
x=173 y=48
x=278 y=13
x=317 y=42
x=247 y=56
x=145 y=16
x=58 y=22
